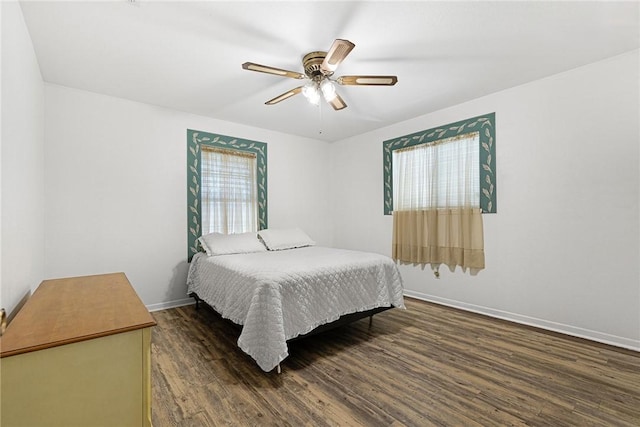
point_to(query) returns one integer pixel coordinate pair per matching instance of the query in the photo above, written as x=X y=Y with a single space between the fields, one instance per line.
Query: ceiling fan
x=319 y=67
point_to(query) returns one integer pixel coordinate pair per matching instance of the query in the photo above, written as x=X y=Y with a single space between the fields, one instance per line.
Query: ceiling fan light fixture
x=310 y=91
x=328 y=90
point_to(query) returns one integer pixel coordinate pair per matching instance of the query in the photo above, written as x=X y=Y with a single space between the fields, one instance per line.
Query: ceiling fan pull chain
x=320 y=114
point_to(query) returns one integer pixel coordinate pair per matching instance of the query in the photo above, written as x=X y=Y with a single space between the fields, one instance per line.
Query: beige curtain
x=228 y=191
x=453 y=237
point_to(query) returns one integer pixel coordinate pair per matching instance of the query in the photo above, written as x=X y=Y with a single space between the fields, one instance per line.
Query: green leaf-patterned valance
x=486 y=127
x=195 y=139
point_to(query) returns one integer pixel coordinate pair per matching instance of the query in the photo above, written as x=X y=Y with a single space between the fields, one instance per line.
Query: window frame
x=484 y=124
x=196 y=139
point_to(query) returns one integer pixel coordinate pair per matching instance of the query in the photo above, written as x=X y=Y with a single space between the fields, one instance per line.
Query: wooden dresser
x=78 y=354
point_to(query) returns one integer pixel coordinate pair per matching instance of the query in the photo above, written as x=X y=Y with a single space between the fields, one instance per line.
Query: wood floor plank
x=428 y=365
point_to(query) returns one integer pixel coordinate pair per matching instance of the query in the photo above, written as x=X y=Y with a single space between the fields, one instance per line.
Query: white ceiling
x=187 y=55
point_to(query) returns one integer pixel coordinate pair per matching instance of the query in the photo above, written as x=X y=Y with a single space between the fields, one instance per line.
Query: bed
x=278 y=295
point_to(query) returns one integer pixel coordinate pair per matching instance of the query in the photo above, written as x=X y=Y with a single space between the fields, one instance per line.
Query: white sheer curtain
x=443 y=174
x=228 y=191
x=436 y=195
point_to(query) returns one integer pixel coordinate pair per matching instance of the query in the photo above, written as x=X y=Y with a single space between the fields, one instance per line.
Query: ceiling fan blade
x=271 y=70
x=338 y=103
x=338 y=51
x=367 y=80
x=284 y=96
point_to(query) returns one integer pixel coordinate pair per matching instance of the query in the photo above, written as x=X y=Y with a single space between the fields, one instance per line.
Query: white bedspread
x=279 y=295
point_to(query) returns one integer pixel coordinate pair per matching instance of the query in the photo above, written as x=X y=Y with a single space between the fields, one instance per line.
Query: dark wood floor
x=427 y=365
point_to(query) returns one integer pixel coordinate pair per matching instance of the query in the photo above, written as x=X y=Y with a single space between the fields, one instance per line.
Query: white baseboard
x=601 y=337
x=170 y=304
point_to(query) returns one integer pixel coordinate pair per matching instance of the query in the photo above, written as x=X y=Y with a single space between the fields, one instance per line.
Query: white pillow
x=278 y=239
x=225 y=244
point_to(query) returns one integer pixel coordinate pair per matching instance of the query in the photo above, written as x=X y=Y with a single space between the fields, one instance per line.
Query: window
x=437 y=183
x=226 y=186
x=439 y=174
x=441 y=148
x=229 y=191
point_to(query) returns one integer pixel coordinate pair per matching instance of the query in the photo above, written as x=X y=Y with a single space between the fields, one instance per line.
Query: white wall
x=563 y=250
x=22 y=182
x=117 y=188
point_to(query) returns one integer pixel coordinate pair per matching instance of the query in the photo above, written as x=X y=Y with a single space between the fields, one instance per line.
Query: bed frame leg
x=195 y=297
x=279 y=370
x=370 y=321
